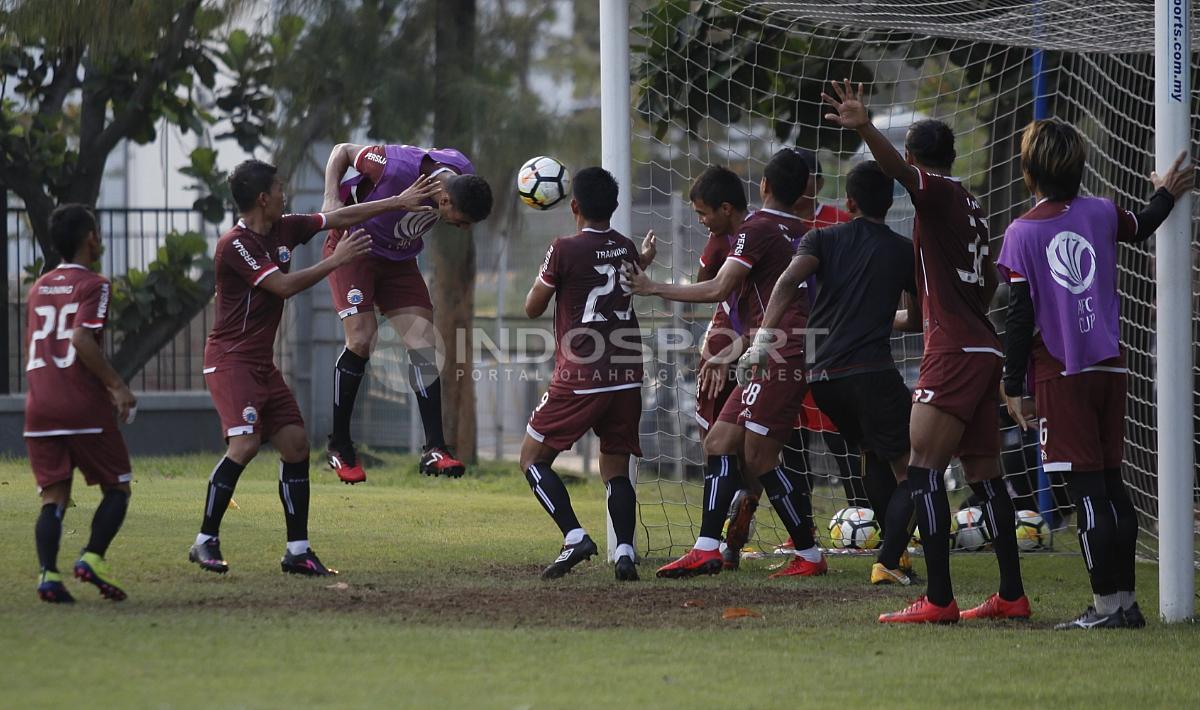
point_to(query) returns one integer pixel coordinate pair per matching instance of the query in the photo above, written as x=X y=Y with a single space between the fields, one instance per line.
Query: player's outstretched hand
x=634 y=280
x=352 y=246
x=849 y=110
x=649 y=249
x=1179 y=180
x=414 y=196
x=124 y=401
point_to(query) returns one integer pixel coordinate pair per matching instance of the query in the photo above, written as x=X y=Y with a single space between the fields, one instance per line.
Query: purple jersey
x=1069 y=258
x=388 y=171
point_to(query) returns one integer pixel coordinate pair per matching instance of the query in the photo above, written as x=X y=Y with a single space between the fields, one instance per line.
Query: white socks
x=574 y=537
x=707 y=544
x=1106 y=604
x=1128 y=599
x=297 y=547
x=626 y=550
x=202 y=538
x=812 y=554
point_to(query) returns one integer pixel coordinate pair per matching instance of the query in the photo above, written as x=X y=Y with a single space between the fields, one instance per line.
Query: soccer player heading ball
x=956 y=402
x=254 y=277
x=388 y=280
x=597 y=381
x=73 y=403
x=1061 y=259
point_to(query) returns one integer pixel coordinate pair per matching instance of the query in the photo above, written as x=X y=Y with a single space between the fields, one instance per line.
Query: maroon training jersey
x=719 y=333
x=950 y=239
x=597 y=340
x=765 y=245
x=63 y=396
x=247 y=316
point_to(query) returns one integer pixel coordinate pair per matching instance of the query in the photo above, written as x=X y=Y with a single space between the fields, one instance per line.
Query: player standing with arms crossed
x=253 y=263
x=73 y=403
x=956 y=401
x=389 y=280
x=759 y=417
x=1064 y=311
x=597 y=381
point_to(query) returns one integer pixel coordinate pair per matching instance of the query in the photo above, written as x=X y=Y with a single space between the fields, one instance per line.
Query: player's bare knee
x=242 y=449
x=57 y=493
x=361 y=330
x=762 y=455
x=722 y=440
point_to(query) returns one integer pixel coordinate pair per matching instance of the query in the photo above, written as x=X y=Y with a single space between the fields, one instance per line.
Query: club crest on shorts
x=250 y=415
x=285 y=255
x=354 y=297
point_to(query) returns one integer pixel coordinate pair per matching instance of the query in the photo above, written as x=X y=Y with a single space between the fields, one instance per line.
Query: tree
x=79 y=79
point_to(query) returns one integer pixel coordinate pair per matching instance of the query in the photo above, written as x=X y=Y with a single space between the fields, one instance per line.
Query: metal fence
x=131 y=237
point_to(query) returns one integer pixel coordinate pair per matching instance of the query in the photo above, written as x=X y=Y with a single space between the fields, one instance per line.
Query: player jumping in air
x=862 y=268
x=956 y=402
x=597 y=381
x=388 y=280
x=758 y=418
x=73 y=403
x=253 y=264
x=1064 y=312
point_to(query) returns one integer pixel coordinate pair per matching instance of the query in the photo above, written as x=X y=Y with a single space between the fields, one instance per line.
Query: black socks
x=294 y=494
x=424 y=378
x=721 y=482
x=789 y=496
x=933 y=518
x=1096 y=521
x=48 y=533
x=548 y=488
x=348 y=374
x=1127 y=529
x=107 y=520
x=1001 y=518
x=622 y=508
x=896 y=521
x=221 y=483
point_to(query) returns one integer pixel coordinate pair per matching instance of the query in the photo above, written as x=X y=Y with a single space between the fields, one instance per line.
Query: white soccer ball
x=543 y=182
x=854 y=529
x=1032 y=531
x=972 y=532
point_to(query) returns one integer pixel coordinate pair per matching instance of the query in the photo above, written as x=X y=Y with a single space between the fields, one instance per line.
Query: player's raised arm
x=347 y=250
x=1178 y=181
x=730 y=277
x=850 y=112
x=411 y=200
x=649 y=250
x=340 y=160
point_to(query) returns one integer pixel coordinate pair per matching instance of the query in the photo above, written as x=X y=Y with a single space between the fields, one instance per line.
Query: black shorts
x=870 y=409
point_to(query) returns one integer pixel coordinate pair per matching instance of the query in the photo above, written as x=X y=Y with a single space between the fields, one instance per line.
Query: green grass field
x=439 y=603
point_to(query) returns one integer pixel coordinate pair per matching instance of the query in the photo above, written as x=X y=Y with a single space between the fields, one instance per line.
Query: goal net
x=728 y=83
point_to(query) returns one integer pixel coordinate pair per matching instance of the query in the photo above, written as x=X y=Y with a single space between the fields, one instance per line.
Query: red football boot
x=438 y=461
x=695 y=562
x=800 y=567
x=995 y=607
x=344 y=462
x=923 y=611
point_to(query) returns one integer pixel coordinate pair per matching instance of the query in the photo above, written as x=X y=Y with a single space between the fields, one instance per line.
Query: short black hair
x=787 y=175
x=718 y=185
x=595 y=191
x=250 y=179
x=810 y=157
x=70 y=224
x=871 y=188
x=471 y=195
x=931 y=143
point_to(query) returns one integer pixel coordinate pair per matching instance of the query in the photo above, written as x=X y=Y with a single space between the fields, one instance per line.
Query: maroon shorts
x=252 y=400
x=709 y=408
x=101 y=458
x=769 y=403
x=1082 y=421
x=967 y=387
x=375 y=282
x=563 y=417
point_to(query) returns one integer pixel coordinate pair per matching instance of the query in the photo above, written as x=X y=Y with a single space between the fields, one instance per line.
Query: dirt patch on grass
x=513 y=597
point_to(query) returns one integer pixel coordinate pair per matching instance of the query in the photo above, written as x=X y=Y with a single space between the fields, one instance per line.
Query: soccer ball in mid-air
x=543 y=182
x=854 y=529
x=1032 y=531
x=972 y=532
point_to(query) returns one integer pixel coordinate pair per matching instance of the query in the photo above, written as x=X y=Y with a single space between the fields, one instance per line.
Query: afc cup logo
x=413 y=226
x=1072 y=261
x=250 y=415
x=354 y=297
x=285 y=255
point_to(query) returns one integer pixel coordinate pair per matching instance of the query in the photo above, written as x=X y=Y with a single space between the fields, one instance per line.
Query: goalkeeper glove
x=756 y=356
